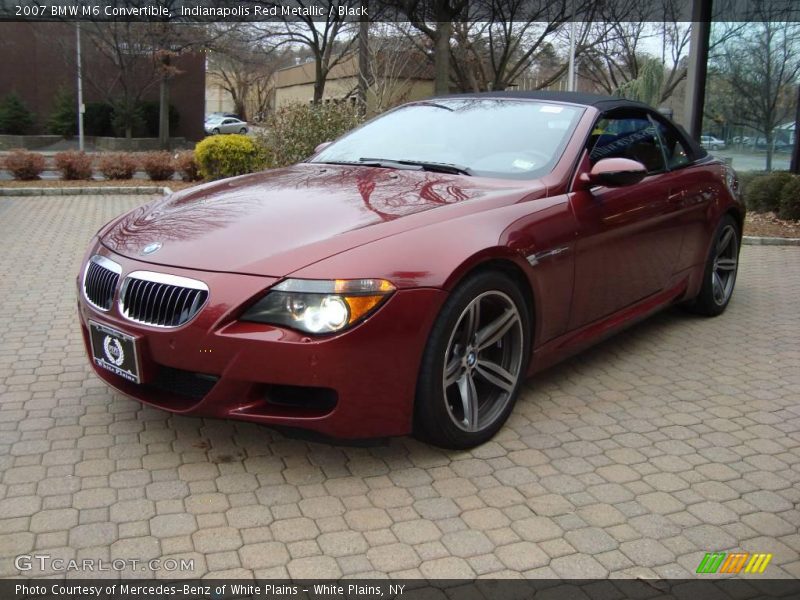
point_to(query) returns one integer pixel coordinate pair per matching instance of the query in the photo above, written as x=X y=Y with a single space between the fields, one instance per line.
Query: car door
x=692 y=192
x=628 y=237
x=228 y=126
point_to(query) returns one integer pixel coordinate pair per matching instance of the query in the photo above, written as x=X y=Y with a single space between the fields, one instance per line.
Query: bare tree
x=492 y=54
x=127 y=46
x=618 y=60
x=243 y=61
x=328 y=41
x=434 y=19
x=762 y=66
x=394 y=63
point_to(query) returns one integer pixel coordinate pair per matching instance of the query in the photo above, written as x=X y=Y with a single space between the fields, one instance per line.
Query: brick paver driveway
x=678 y=437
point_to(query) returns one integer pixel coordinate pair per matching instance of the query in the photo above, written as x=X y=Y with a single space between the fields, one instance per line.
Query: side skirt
x=574 y=341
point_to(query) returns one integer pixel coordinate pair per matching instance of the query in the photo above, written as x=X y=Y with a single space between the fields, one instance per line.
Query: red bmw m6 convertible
x=409 y=276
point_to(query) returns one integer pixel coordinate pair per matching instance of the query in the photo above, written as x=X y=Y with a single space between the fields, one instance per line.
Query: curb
x=142 y=190
x=749 y=240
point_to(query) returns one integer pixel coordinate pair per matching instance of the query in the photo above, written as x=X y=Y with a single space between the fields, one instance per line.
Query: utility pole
x=81 y=107
x=363 y=58
x=571 y=69
x=795 y=166
x=698 y=67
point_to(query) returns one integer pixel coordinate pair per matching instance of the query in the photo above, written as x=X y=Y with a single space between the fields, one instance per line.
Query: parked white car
x=225 y=125
x=709 y=142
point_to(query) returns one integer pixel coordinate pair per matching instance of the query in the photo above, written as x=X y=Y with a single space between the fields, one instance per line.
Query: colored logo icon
x=733 y=562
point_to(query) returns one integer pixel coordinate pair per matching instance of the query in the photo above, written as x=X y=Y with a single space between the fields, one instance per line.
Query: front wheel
x=720 y=272
x=242 y=131
x=474 y=363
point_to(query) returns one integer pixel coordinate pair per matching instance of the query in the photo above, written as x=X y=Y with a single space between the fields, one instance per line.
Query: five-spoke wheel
x=474 y=362
x=483 y=361
x=722 y=265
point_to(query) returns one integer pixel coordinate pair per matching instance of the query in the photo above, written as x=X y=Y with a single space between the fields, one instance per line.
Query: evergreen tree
x=64 y=118
x=15 y=118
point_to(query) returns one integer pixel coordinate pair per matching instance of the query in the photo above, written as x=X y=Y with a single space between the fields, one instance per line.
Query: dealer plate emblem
x=113 y=350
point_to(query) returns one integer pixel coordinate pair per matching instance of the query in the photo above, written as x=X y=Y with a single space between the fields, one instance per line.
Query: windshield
x=518 y=139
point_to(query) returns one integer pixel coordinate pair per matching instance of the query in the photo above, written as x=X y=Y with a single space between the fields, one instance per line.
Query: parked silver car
x=711 y=143
x=225 y=125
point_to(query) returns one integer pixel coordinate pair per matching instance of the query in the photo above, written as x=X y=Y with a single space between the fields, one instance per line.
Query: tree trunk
x=441 y=57
x=163 y=114
x=319 y=81
x=363 y=61
x=768 y=140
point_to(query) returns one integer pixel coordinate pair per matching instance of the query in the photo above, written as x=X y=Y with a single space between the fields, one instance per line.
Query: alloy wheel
x=483 y=361
x=726 y=261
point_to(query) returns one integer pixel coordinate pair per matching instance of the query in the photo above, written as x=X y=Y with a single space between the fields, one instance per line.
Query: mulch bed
x=58 y=183
x=769 y=225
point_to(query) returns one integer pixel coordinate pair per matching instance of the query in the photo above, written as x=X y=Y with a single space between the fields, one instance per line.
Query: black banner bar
x=707 y=588
x=391 y=10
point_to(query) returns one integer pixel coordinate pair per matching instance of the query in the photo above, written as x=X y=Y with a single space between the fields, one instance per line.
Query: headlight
x=316 y=306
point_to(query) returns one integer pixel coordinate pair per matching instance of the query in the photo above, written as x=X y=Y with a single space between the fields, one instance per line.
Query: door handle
x=676 y=196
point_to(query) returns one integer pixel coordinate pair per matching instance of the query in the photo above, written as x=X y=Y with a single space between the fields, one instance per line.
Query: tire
x=467 y=407
x=719 y=275
x=243 y=130
x=215 y=131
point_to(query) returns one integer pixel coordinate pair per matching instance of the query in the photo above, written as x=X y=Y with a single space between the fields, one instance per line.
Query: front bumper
x=359 y=383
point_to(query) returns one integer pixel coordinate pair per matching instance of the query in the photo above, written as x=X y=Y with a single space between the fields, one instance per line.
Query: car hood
x=275 y=222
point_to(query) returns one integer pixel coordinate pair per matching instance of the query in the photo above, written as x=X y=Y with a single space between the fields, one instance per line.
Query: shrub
x=186 y=165
x=24 y=165
x=150 y=112
x=763 y=193
x=74 y=164
x=228 y=155
x=297 y=129
x=790 y=200
x=159 y=166
x=98 y=119
x=127 y=119
x=63 y=119
x=117 y=165
x=745 y=177
x=15 y=118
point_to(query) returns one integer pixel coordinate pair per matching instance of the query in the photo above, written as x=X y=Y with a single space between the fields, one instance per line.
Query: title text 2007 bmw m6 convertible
x=409 y=276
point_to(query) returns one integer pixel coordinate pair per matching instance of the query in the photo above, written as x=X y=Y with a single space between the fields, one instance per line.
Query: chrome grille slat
x=100 y=281
x=161 y=300
x=163 y=312
x=179 y=302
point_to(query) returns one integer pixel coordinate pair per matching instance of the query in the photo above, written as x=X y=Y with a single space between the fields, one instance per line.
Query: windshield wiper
x=437 y=167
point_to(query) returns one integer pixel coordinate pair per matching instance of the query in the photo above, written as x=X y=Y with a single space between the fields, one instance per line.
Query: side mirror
x=615 y=172
x=321 y=147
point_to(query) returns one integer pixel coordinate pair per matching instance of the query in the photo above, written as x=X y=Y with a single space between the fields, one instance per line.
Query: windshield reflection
x=490 y=137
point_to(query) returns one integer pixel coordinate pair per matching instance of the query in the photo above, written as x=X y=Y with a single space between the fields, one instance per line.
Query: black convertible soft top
x=586 y=99
x=599 y=101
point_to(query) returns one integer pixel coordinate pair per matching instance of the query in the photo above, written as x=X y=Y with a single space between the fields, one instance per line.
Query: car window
x=514 y=139
x=627 y=136
x=227 y=121
x=674 y=147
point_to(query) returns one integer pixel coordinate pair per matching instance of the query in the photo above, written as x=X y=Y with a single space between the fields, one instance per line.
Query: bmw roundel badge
x=151 y=248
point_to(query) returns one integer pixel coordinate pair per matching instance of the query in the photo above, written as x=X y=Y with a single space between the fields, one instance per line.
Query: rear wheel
x=474 y=363
x=215 y=131
x=722 y=266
